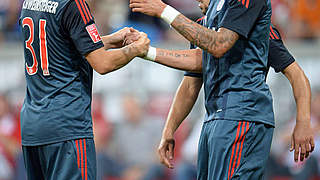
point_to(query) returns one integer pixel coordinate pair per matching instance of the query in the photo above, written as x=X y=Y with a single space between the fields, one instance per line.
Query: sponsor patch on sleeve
x=93 y=32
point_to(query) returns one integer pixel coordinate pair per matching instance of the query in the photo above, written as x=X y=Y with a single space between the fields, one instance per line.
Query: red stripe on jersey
x=87 y=9
x=81 y=11
x=233 y=147
x=271 y=35
x=243 y=2
x=84 y=9
x=200 y=19
x=275 y=35
x=83 y=5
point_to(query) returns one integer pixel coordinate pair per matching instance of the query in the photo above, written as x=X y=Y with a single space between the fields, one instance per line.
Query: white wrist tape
x=169 y=14
x=152 y=54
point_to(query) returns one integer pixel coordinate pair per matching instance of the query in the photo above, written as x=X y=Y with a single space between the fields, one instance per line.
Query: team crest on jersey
x=93 y=32
x=220 y=5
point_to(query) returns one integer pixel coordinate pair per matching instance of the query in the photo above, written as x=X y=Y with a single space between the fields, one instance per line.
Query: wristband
x=169 y=14
x=152 y=54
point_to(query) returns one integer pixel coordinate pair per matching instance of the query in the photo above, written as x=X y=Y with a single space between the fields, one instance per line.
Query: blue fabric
x=57 y=107
x=68 y=160
x=234 y=85
x=233 y=150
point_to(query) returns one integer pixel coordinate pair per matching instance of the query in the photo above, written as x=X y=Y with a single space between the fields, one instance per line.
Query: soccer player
x=236 y=136
x=62 y=47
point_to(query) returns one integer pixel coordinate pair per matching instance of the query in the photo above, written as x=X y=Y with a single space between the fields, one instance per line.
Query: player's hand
x=148 y=7
x=166 y=151
x=131 y=37
x=141 y=45
x=302 y=141
x=116 y=40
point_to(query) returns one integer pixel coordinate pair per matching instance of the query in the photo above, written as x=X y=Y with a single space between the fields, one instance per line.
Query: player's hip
x=233 y=149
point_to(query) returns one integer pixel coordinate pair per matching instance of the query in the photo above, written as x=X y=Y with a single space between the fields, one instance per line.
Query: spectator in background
x=8 y=17
x=281 y=164
x=107 y=166
x=136 y=138
x=9 y=139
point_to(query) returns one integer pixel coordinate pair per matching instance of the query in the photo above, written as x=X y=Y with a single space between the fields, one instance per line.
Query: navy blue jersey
x=279 y=57
x=234 y=85
x=57 y=34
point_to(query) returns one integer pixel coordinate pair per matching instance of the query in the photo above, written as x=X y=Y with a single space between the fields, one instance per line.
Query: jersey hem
x=57 y=140
x=229 y=119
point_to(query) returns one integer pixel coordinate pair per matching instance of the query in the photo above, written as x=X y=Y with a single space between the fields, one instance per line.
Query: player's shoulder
x=274 y=33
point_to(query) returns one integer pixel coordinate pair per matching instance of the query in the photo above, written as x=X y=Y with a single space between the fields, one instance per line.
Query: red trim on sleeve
x=271 y=36
x=81 y=11
x=87 y=9
x=274 y=34
x=200 y=19
x=245 y=3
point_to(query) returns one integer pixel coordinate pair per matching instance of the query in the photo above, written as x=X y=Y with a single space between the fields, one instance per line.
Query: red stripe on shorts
x=85 y=160
x=78 y=158
x=233 y=147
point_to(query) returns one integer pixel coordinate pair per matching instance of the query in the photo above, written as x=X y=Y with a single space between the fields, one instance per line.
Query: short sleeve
x=279 y=56
x=241 y=15
x=79 y=24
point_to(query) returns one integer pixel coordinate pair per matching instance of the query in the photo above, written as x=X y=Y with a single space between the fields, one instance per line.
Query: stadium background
x=130 y=105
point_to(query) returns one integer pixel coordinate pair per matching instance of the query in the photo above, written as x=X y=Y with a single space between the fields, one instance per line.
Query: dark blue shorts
x=68 y=160
x=233 y=150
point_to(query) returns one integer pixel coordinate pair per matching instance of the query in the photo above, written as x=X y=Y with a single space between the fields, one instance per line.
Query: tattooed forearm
x=216 y=43
x=189 y=60
x=173 y=54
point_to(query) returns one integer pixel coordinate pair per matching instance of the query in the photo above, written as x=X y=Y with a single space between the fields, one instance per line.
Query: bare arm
x=216 y=43
x=301 y=91
x=107 y=61
x=302 y=136
x=183 y=102
x=188 y=60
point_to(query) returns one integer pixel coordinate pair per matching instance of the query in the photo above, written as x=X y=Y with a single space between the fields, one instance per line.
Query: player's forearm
x=301 y=90
x=216 y=43
x=107 y=61
x=188 y=60
x=183 y=102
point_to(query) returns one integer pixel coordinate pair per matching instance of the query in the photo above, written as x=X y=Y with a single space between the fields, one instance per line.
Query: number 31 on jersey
x=33 y=69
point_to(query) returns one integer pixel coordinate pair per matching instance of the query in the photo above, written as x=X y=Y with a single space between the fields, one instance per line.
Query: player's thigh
x=224 y=145
x=71 y=160
x=203 y=155
x=256 y=153
x=32 y=162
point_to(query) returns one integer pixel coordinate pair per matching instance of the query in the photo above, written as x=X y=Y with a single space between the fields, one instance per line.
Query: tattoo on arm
x=173 y=54
x=207 y=39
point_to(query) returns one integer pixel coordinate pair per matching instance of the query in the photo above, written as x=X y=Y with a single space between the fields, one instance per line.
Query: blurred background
x=130 y=105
